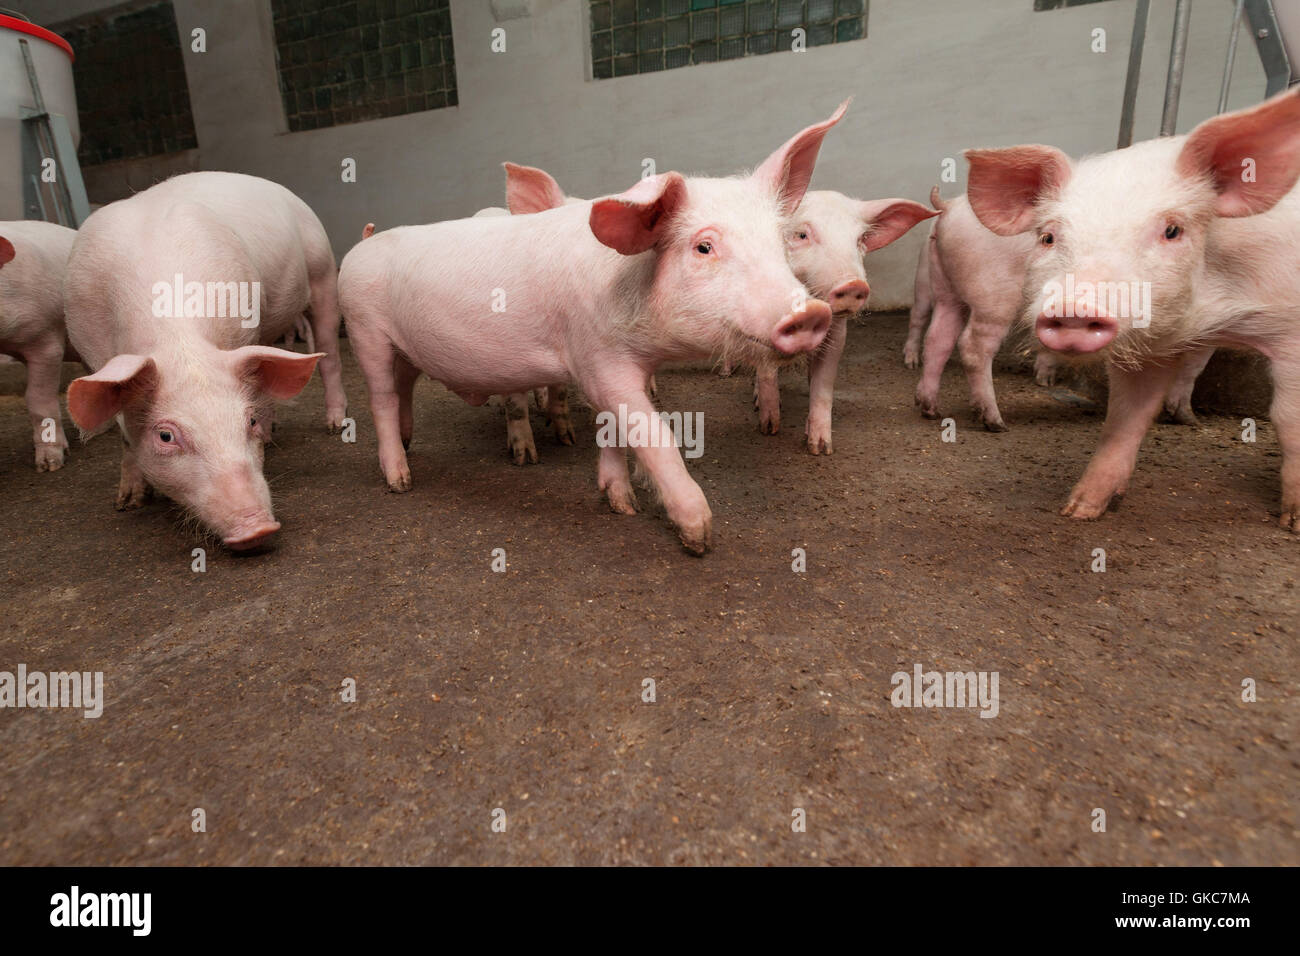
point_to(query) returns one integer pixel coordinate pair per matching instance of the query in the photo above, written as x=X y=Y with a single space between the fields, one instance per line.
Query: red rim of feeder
x=31 y=29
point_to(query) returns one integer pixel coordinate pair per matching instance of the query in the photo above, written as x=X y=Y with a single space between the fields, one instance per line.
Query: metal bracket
x=46 y=136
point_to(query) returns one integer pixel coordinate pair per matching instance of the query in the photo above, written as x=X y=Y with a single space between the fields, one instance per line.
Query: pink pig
x=826 y=240
x=1146 y=254
x=968 y=284
x=600 y=293
x=33 y=258
x=192 y=387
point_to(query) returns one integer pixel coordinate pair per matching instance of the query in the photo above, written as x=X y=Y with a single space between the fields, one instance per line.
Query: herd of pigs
x=751 y=270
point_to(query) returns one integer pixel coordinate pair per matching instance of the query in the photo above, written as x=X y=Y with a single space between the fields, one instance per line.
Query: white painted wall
x=933 y=77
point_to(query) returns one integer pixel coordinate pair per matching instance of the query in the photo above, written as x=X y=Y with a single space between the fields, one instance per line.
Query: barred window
x=643 y=36
x=132 y=97
x=348 y=61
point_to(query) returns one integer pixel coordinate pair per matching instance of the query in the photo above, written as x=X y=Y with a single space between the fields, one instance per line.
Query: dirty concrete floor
x=522 y=690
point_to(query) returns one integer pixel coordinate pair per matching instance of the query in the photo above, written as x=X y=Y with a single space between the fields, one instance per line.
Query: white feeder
x=38 y=125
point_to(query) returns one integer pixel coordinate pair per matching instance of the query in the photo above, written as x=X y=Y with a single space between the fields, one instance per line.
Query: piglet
x=826 y=240
x=968 y=285
x=33 y=259
x=598 y=292
x=1144 y=255
x=173 y=297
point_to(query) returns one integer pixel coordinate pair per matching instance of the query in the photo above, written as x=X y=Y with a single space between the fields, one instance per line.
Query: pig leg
x=519 y=434
x=767 y=399
x=1045 y=369
x=1135 y=400
x=132 y=489
x=378 y=361
x=978 y=345
x=821 y=387
x=1285 y=413
x=1178 y=404
x=557 y=410
x=44 y=362
x=405 y=375
x=945 y=327
x=683 y=499
x=612 y=478
x=922 y=303
x=325 y=328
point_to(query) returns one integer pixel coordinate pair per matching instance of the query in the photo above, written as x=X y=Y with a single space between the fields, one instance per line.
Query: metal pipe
x=1177 y=58
x=1134 y=72
x=1232 y=55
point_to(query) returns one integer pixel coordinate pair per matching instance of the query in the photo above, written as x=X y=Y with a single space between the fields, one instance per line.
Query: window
x=643 y=36
x=347 y=61
x=132 y=98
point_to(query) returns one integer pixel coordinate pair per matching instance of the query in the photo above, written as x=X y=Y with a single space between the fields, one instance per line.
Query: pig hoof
x=769 y=423
x=1290 y=520
x=622 y=499
x=564 y=433
x=49 y=459
x=128 y=499
x=523 y=451
x=1181 y=414
x=1082 y=509
x=819 y=441
x=997 y=425
x=697 y=539
x=401 y=483
x=725 y=370
x=911 y=357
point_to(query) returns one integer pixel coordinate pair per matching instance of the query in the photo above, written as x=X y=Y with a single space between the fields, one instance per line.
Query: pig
x=192 y=395
x=826 y=240
x=598 y=292
x=33 y=258
x=968 y=283
x=530 y=190
x=1211 y=220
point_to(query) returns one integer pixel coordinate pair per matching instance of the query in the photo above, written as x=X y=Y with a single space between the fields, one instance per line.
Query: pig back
x=31 y=285
x=192 y=256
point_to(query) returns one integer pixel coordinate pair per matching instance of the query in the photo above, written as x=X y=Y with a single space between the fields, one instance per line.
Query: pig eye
x=252 y=423
x=1173 y=231
x=1047 y=239
x=704 y=247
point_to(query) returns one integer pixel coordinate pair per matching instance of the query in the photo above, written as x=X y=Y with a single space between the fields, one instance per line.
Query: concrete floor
x=522 y=690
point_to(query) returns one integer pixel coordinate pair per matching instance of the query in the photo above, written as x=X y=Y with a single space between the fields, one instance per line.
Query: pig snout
x=1086 y=330
x=251 y=532
x=241 y=509
x=804 y=330
x=850 y=297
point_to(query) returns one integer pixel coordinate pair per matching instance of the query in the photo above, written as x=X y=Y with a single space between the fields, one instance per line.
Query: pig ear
x=531 y=190
x=6 y=251
x=635 y=220
x=94 y=399
x=1004 y=185
x=1251 y=156
x=277 y=372
x=888 y=219
x=788 y=171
